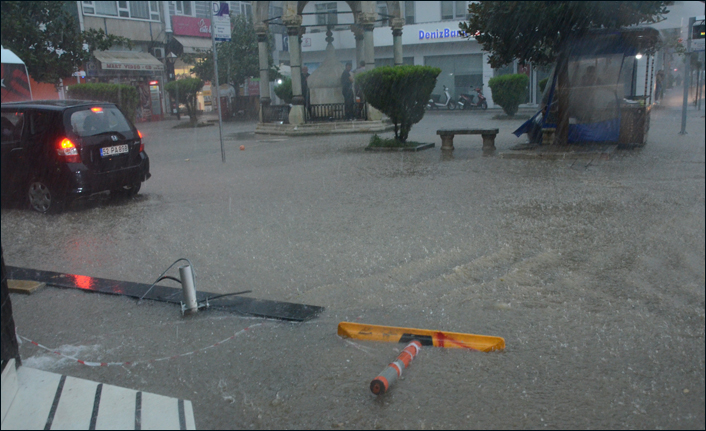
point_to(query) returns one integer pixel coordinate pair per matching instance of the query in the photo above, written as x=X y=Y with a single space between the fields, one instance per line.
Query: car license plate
x=118 y=149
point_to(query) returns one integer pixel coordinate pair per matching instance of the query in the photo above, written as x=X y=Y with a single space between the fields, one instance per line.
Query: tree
x=48 y=39
x=187 y=89
x=400 y=92
x=237 y=59
x=539 y=32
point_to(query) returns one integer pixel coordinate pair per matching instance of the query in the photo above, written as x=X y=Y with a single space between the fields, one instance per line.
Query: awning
x=194 y=45
x=9 y=57
x=128 y=60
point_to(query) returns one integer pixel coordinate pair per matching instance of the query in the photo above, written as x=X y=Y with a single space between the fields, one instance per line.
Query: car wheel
x=43 y=198
x=128 y=191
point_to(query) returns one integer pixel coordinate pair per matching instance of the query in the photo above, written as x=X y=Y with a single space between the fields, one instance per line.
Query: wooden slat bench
x=447 y=137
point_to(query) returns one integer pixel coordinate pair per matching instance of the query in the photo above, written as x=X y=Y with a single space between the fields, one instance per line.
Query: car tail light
x=97 y=109
x=68 y=151
x=142 y=144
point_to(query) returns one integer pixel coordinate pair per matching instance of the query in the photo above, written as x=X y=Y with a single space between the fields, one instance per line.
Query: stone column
x=265 y=99
x=293 y=23
x=367 y=21
x=397 y=24
x=359 y=43
x=369 y=45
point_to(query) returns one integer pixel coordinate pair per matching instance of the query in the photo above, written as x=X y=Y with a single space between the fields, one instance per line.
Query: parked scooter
x=449 y=104
x=466 y=101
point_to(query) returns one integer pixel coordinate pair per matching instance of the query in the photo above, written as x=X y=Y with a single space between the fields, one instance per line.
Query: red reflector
x=97 y=109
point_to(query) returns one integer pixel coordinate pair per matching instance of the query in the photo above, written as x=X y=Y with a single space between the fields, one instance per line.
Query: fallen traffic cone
x=389 y=375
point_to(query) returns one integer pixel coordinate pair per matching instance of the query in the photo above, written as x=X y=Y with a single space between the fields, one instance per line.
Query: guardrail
x=335 y=112
x=275 y=113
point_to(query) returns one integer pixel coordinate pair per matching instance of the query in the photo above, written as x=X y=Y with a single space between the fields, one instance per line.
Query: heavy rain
x=587 y=260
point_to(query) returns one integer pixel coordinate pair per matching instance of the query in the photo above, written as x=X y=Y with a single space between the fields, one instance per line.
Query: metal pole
x=215 y=72
x=687 y=71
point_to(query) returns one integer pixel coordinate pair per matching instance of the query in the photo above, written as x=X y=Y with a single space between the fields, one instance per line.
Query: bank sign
x=446 y=33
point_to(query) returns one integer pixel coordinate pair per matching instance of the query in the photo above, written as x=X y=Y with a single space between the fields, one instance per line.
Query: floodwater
x=592 y=269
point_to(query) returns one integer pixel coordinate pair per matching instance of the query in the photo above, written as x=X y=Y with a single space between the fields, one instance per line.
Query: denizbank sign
x=441 y=34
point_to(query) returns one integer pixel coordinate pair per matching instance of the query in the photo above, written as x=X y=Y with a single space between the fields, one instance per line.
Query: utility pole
x=687 y=81
x=215 y=72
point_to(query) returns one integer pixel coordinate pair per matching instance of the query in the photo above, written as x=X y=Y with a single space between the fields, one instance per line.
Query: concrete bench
x=447 y=137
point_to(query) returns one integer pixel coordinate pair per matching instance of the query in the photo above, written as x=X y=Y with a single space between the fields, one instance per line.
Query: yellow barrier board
x=449 y=340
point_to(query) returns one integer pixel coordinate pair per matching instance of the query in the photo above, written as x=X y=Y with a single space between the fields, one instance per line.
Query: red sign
x=254 y=87
x=190 y=26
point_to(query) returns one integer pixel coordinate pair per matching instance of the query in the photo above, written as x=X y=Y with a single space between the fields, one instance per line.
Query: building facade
x=156 y=29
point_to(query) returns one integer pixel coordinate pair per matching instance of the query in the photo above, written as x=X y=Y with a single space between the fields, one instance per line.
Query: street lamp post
x=171 y=59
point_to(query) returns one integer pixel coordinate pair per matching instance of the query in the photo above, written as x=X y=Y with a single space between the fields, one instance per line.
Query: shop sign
x=441 y=34
x=121 y=66
x=190 y=26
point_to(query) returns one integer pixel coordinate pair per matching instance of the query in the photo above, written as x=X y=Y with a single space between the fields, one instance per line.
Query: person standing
x=347 y=90
x=358 y=92
x=305 y=89
x=659 y=85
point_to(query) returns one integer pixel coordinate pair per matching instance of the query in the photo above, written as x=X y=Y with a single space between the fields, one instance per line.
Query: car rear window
x=97 y=120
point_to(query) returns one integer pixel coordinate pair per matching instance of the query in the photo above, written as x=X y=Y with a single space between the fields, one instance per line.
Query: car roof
x=53 y=105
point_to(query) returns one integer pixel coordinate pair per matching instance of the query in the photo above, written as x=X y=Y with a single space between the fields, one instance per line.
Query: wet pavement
x=592 y=270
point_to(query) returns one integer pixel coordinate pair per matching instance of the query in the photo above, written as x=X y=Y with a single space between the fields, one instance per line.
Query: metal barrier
x=314 y=113
x=275 y=113
x=335 y=112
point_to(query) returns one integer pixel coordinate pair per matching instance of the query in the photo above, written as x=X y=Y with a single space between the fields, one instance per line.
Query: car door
x=14 y=156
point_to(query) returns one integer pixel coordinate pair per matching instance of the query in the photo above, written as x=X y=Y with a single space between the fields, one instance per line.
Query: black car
x=54 y=151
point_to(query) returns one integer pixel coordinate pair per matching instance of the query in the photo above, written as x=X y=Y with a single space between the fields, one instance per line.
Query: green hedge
x=284 y=90
x=125 y=96
x=400 y=92
x=509 y=91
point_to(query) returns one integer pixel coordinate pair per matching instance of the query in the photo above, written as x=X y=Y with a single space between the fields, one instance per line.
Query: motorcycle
x=466 y=101
x=449 y=104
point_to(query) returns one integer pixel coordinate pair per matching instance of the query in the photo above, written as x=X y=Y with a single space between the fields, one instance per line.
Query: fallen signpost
x=389 y=375
x=244 y=305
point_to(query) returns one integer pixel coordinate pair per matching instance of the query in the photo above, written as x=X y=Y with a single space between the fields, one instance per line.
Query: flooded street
x=591 y=268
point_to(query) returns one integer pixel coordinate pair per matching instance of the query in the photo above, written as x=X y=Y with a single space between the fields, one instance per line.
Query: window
x=246 y=9
x=12 y=123
x=382 y=20
x=184 y=8
x=453 y=9
x=39 y=122
x=109 y=8
x=327 y=14
x=148 y=10
x=409 y=12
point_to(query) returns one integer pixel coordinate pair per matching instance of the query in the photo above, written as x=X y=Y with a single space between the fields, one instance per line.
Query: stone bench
x=447 y=137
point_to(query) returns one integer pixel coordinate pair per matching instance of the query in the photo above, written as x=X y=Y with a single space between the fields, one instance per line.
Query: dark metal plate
x=251 y=306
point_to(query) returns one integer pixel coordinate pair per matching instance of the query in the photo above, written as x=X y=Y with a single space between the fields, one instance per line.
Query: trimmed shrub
x=187 y=89
x=284 y=90
x=509 y=91
x=400 y=92
x=124 y=96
